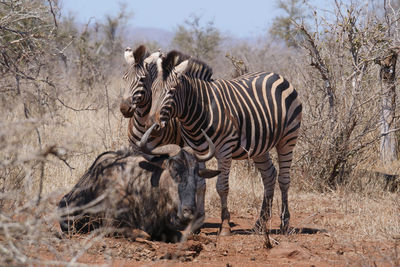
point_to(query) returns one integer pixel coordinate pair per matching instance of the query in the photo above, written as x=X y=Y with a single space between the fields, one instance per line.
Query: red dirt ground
x=311 y=246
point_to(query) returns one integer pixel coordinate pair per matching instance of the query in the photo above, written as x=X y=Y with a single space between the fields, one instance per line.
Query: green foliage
x=112 y=30
x=197 y=40
x=283 y=27
x=96 y=48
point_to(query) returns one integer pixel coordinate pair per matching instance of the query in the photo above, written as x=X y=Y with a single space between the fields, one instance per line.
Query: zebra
x=136 y=100
x=136 y=103
x=245 y=117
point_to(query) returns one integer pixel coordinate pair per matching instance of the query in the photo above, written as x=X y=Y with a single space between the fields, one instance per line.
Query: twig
x=108 y=104
x=305 y=220
x=53 y=13
x=390 y=131
x=11 y=30
x=88 y=244
x=75 y=109
x=40 y=183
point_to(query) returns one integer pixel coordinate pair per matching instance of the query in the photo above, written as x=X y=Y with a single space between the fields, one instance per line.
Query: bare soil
x=305 y=245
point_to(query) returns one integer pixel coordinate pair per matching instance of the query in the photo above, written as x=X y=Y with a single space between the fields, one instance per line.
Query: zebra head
x=138 y=79
x=165 y=105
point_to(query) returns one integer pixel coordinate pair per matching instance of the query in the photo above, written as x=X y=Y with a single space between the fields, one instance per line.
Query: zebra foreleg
x=268 y=173
x=200 y=199
x=285 y=215
x=223 y=190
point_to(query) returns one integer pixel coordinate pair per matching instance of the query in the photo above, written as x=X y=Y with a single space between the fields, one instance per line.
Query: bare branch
x=52 y=12
x=75 y=109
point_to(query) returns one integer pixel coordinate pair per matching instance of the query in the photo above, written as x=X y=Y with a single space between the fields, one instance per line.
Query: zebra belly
x=240 y=153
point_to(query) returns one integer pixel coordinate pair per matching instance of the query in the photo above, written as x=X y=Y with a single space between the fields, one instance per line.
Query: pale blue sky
x=247 y=18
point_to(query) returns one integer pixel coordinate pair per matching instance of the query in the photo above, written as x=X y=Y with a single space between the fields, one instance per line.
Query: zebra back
x=251 y=113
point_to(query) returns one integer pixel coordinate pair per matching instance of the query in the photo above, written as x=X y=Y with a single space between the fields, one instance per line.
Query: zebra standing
x=245 y=118
x=136 y=103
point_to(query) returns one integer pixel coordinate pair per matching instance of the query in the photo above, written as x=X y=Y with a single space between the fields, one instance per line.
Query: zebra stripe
x=245 y=117
x=138 y=80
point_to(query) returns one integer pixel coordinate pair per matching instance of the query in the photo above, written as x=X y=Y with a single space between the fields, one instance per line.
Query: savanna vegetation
x=60 y=87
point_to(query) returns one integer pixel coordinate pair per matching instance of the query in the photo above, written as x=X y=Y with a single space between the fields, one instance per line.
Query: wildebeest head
x=138 y=79
x=153 y=192
x=183 y=166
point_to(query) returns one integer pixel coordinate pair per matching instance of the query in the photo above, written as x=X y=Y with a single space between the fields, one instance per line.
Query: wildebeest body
x=123 y=190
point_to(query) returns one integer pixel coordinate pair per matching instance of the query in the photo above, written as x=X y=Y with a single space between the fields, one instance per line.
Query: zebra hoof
x=260 y=227
x=224 y=231
x=284 y=229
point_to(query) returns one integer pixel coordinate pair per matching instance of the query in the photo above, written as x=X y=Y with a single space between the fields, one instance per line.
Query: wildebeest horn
x=143 y=140
x=211 y=149
x=170 y=150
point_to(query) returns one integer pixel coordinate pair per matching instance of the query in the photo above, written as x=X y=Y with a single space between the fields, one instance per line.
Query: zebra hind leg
x=285 y=155
x=268 y=173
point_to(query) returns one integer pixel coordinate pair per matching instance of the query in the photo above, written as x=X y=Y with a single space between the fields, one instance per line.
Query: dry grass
x=30 y=231
x=372 y=215
x=362 y=228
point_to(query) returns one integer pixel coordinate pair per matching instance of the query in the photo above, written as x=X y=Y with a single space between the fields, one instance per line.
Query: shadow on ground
x=252 y=231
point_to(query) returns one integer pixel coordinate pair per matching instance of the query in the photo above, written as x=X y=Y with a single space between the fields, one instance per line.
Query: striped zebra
x=245 y=117
x=136 y=103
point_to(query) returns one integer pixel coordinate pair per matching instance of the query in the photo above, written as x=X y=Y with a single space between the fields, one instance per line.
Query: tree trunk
x=388 y=126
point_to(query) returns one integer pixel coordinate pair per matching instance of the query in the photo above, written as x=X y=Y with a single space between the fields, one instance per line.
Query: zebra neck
x=140 y=116
x=196 y=103
x=193 y=105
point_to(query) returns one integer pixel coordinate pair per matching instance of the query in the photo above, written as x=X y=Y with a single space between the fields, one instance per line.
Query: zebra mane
x=195 y=69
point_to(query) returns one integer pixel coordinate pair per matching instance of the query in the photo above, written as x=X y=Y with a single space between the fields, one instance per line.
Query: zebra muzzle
x=127 y=109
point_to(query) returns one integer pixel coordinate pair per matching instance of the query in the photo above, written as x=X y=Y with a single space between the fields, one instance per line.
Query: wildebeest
x=128 y=190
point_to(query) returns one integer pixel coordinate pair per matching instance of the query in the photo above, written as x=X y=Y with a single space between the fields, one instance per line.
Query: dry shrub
x=334 y=71
x=341 y=95
x=59 y=110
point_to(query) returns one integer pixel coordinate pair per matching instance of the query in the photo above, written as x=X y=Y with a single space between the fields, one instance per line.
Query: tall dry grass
x=33 y=181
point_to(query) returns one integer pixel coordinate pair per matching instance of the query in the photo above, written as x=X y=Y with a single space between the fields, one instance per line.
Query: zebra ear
x=128 y=55
x=159 y=65
x=139 y=53
x=181 y=68
x=151 y=59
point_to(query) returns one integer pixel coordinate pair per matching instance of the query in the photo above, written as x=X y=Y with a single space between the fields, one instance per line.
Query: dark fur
x=174 y=58
x=137 y=195
x=140 y=54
